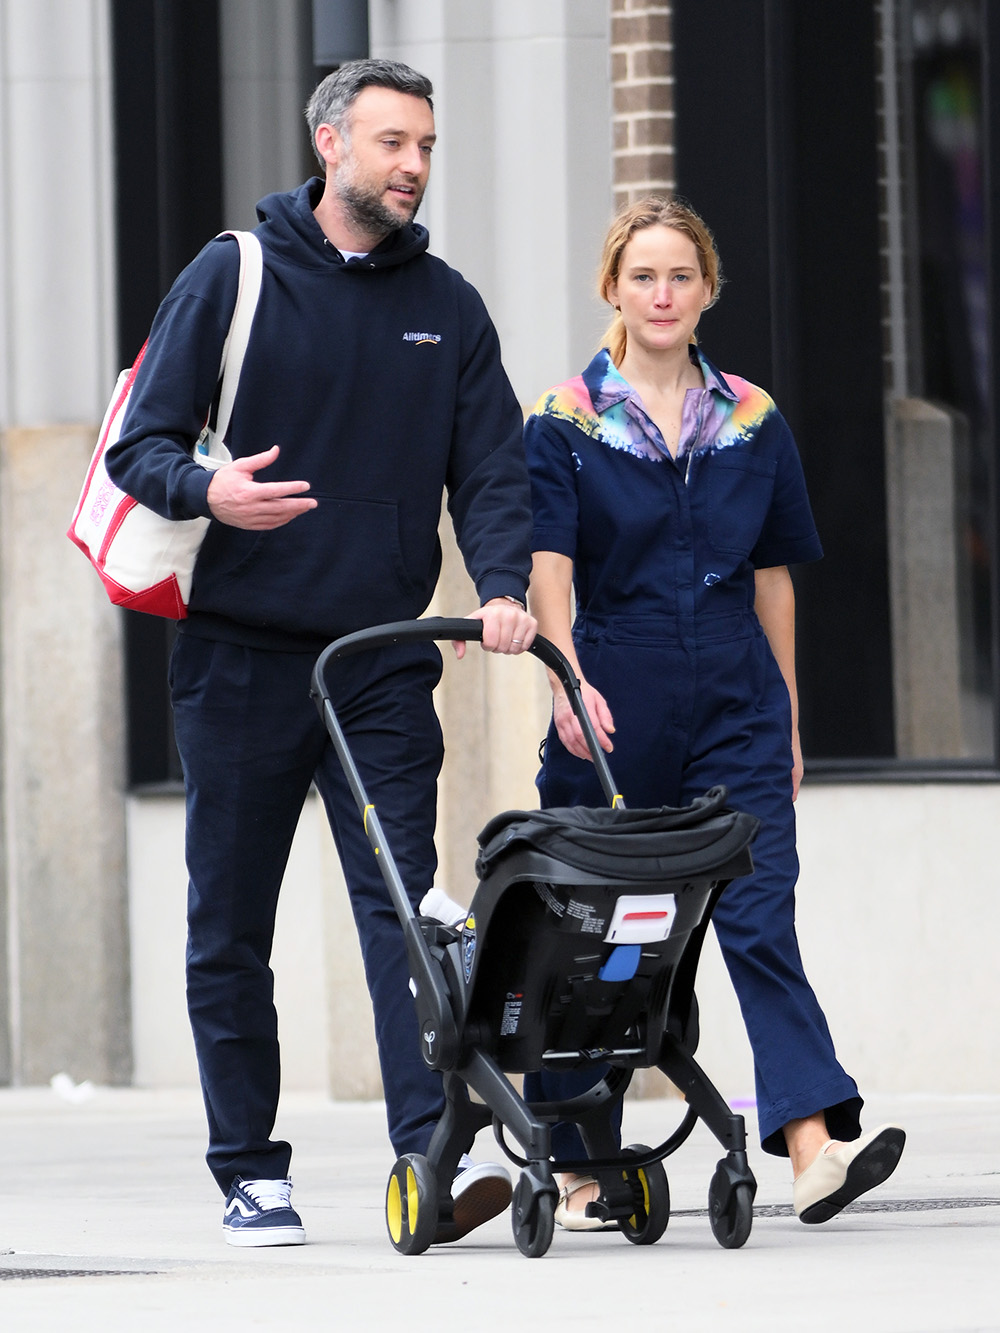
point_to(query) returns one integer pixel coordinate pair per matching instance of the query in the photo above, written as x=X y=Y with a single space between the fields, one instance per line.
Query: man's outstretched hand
x=234 y=497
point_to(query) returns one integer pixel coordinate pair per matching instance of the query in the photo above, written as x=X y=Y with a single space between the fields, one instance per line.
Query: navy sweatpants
x=690 y=714
x=251 y=741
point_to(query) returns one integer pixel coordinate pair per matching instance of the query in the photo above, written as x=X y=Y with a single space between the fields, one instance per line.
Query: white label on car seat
x=511 y=1014
x=586 y=914
x=550 y=900
x=642 y=918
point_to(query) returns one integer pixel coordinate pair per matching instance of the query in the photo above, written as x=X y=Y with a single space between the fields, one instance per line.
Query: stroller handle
x=434 y=628
x=439 y=1031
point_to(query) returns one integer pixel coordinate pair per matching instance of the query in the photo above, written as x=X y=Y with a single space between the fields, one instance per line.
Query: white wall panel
x=520 y=191
x=56 y=198
x=265 y=138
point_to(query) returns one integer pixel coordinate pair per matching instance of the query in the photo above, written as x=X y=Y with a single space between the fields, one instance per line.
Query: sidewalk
x=116 y=1186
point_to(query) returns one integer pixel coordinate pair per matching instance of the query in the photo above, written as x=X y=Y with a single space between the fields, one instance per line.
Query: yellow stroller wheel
x=652 y=1213
x=411 y=1204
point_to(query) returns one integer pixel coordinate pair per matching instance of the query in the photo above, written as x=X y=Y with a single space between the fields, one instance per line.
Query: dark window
x=167 y=71
x=781 y=127
x=946 y=676
x=168 y=183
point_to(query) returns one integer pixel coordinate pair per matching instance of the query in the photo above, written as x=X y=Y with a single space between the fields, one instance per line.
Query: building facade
x=841 y=155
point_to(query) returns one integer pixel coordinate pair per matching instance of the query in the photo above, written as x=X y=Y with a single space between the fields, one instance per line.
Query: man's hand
x=235 y=498
x=507 y=628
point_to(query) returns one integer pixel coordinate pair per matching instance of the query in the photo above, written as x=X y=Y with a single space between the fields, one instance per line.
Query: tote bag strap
x=238 y=338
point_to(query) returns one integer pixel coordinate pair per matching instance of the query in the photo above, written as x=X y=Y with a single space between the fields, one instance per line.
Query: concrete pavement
x=114 y=1190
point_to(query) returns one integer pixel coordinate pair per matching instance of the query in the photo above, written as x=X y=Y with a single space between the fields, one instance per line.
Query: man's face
x=384 y=159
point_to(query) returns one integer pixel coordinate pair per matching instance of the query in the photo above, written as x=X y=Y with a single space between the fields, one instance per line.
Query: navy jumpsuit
x=664 y=552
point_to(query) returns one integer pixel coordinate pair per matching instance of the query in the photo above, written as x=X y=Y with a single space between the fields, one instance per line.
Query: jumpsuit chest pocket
x=739 y=489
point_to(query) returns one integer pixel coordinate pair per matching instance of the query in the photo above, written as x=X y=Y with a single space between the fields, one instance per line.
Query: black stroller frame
x=579 y=950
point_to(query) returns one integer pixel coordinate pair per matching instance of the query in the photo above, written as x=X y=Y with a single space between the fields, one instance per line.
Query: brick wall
x=643 y=99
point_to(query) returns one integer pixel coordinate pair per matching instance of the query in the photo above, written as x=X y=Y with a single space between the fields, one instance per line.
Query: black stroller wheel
x=411 y=1205
x=730 y=1211
x=532 y=1213
x=649 y=1184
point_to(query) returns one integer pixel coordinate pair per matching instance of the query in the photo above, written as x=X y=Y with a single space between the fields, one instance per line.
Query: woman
x=670 y=499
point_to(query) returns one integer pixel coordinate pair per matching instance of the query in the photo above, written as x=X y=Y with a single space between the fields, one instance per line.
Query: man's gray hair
x=332 y=100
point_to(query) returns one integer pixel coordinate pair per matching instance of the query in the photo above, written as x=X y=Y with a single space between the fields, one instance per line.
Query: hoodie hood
x=289 y=228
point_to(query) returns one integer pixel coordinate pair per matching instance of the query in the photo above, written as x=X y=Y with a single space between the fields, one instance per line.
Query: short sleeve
x=552 y=467
x=788 y=536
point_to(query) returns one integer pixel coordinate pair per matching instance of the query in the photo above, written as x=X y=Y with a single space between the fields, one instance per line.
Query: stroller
x=579 y=950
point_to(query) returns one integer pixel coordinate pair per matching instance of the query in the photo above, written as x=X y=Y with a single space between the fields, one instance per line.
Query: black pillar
x=776 y=140
x=168 y=184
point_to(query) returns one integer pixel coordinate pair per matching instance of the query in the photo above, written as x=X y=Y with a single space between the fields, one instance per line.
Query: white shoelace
x=268 y=1194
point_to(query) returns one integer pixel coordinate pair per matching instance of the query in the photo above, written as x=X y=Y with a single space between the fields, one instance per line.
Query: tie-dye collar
x=608 y=388
x=604 y=406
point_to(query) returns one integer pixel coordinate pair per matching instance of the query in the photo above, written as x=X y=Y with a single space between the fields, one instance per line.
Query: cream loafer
x=839 y=1176
x=577 y=1220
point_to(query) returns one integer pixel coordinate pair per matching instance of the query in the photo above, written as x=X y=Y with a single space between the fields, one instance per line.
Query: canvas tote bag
x=147 y=562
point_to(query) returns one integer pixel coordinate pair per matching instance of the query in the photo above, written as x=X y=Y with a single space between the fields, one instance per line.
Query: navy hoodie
x=380 y=378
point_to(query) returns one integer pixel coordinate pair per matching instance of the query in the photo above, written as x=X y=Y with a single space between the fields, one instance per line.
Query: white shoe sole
x=249 y=1238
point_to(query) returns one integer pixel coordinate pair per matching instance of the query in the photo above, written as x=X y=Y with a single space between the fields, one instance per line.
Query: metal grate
x=862 y=1206
x=8 y=1274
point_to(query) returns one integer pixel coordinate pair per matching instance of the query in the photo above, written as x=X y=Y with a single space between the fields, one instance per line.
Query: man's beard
x=368 y=213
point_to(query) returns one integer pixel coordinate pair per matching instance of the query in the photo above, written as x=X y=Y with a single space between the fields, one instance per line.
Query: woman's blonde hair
x=652 y=212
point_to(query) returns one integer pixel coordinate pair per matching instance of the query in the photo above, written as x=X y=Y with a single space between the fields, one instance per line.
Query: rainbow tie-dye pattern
x=603 y=405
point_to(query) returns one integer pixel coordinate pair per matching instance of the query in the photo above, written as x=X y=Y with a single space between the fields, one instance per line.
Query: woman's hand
x=774 y=602
x=568 y=727
x=549 y=596
x=797 y=764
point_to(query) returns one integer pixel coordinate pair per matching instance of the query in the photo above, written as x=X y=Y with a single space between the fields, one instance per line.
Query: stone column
x=926 y=467
x=520 y=189
x=64 y=1004
x=519 y=199
x=266 y=80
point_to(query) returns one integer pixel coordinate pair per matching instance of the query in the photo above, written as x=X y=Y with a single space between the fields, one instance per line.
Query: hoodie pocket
x=340 y=562
x=361 y=540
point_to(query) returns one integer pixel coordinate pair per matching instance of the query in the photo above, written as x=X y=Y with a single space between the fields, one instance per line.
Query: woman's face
x=660 y=289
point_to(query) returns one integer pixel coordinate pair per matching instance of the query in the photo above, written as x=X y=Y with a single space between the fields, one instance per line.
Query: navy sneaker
x=259 y=1212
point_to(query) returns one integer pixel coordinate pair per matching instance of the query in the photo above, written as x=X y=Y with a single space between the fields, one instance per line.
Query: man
x=371 y=385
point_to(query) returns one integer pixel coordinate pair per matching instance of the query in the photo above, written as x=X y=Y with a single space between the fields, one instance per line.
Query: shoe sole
x=871 y=1167
x=246 y=1237
x=483 y=1200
